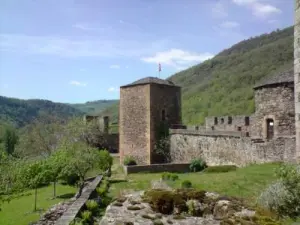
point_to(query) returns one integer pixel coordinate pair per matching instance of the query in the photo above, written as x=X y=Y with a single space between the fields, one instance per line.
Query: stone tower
x=144 y=106
x=297 y=74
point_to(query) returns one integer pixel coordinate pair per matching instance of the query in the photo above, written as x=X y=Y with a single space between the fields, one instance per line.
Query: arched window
x=247 y=121
x=229 y=119
x=216 y=120
x=222 y=120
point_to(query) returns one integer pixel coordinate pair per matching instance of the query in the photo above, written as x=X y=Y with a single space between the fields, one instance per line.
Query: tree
x=81 y=159
x=35 y=174
x=40 y=138
x=55 y=165
x=10 y=140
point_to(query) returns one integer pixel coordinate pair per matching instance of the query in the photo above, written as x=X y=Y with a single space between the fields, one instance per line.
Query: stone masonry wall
x=167 y=98
x=228 y=123
x=297 y=74
x=134 y=127
x=222 y=150
x=276 y=103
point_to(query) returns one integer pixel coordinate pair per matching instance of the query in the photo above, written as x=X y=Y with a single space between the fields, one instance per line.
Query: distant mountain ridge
x=223 y=84
x=21 y=112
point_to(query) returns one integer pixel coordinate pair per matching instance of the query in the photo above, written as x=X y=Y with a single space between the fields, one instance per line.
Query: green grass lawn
x=245 y=182
x=20 y=211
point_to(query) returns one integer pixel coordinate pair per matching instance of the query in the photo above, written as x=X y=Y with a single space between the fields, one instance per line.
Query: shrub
x=283 y=197
x=86 y=216
x=164 y=201
x=169 y=176
x=220 y=169
x=101 y=191
x=129 y=161
x=186 y=184
x=197 y=165
x=92 y=206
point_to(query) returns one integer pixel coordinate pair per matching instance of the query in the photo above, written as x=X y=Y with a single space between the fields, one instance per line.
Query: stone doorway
x=270 y=128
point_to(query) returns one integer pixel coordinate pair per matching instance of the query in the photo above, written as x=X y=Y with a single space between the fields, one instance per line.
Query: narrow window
x=247 y=121
x=270 y=128
x=163 y=115
x=229 y=120
x=216 y=120
x=239 y=128
x=222 y=120
x=247 y=134
x=212 y=128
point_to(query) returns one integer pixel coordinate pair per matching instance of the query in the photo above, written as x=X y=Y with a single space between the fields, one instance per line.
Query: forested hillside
x=21 y=112
x=94 y=107
x=223 y=85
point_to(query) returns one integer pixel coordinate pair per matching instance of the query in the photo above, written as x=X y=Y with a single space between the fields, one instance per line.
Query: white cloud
x=77 y=83
x=177 y=58
x=218 y=10
x=114 y=66
x=113 y=89
x=258 y=8
x=127 y=67
x=76 y=46
x=229 y=24
x=84 y=26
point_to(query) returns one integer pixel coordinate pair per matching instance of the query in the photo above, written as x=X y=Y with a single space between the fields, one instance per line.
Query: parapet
x=207 y=133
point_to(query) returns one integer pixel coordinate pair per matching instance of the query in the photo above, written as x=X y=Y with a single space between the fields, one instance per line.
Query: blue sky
x=83 y=50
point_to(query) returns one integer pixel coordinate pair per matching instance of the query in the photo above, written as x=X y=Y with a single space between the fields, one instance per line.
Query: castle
x=267 y=135
x=151 y=107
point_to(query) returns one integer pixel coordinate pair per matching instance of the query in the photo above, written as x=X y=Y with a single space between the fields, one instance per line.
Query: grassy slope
x=246 y=182
x=20 y=211
x=223 y=85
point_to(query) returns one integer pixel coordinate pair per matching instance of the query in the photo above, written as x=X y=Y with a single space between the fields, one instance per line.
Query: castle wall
x=297 y=74
x=275 y=103
x=228 y=123
x=222 y=149
x=163 y=98
x=134 y=127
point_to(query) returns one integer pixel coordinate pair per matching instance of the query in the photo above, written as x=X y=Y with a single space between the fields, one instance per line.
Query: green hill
x=223 y=84
x=21 y=112
x=94 y=107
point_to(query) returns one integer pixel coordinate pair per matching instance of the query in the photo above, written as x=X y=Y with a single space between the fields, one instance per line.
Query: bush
x=92 y=206
x=197 y=165
x=220 y=169
x=164 y=201
x=129 y=161
x=186 y=184
x=169 y=176
x=86 y=216
x=283 y=197
x=101 y=191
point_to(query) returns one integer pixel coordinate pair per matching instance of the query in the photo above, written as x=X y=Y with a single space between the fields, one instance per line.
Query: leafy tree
x=40 y=138
x=81 y=159
x=34 y=175
x=55 y=165
x=10 y=140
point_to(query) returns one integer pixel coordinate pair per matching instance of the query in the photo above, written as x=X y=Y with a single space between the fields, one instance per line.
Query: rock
x=245 y=213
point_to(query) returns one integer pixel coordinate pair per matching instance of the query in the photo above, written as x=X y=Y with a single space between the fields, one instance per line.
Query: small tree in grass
x=81 y=159
x=35 y=174
x=55 y=165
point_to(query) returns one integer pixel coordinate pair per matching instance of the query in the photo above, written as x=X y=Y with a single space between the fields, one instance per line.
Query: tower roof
x=150 y=80
x=281 y=78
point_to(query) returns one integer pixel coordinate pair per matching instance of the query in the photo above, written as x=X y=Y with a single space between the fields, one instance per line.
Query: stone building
x=147 y=108
x=297 y=74
x=274 y=107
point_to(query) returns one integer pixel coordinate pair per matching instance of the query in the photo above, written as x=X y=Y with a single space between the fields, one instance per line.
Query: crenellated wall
x=228 y=123
x=221 y=148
